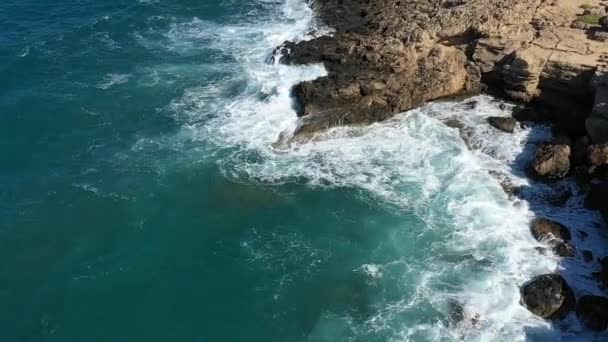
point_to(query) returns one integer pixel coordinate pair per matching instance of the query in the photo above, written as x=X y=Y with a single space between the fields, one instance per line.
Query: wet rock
x=552 y=161
x=547 y=230
x=564 y=250
x=598 y=154
x=593 y=312
x=504 y=124
x=548 y=296
x=587 y=256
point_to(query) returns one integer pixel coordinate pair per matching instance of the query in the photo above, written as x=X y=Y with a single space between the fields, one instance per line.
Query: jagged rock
x=564 y=250
x=593 y=312
x=598 y=154
x=546 y=230
x=552 y=161
x=504 y=124
x=587 y=256
x=548 y=296
x=391 y=56
x=604 y=21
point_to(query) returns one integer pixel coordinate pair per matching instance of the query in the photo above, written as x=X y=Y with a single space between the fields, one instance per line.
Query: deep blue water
x=142 y=198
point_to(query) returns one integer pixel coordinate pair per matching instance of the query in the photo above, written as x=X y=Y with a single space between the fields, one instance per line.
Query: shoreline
x=380 y=64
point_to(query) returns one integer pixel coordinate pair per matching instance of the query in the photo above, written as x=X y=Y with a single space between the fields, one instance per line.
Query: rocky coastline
x=550 y=57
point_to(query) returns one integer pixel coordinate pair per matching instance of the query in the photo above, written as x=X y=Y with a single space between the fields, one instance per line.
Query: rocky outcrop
x=388 y=56
x=593 y=312
x=504 y=124
x=545 y=230
x=548 y=296
x=555 y=235
x=552 y=161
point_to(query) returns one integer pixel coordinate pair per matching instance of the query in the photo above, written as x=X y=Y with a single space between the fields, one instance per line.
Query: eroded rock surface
x=552 y=161
x=388 y=56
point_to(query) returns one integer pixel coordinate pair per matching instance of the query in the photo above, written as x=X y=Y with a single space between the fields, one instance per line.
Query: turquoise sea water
x=142 y=198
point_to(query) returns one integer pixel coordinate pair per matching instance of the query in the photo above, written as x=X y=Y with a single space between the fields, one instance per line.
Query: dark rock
x=598 y=154
x=503 y=124
x=552 y=161
x=604 y=21
x=587 y=256
x=564 y=250
x=579 y=150
x=597 y=198
x=548 y=296
x=527 y=114
x=547 y=230
x=593 y=312
x=603 y=273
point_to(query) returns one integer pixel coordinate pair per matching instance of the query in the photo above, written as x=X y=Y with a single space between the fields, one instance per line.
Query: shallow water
x=142 y=198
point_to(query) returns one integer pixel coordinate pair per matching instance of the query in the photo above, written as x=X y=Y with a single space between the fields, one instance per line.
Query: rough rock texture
x=552 y=161
x=545 y=230
x=388 y=56
x=598 y=154
x=548 y=296
x=555 y=235
x=504 y=124
x=593 y=312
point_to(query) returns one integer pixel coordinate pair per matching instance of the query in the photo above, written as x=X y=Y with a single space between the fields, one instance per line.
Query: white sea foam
x=435 y=162
x=111 y=80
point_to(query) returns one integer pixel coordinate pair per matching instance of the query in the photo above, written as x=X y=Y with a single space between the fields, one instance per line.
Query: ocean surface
x=142 y=198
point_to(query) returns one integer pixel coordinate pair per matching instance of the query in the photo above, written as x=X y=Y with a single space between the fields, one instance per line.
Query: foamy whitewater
x=167 y=212
x=442 y=163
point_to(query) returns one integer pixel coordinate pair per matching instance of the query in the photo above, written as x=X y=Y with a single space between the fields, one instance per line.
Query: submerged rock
x=552 y=161
x=548 y=296
x=504 y=124
x=546 y=230
x=593 y=312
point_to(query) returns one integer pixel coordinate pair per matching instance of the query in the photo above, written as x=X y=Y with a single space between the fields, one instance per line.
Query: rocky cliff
x=388 y=56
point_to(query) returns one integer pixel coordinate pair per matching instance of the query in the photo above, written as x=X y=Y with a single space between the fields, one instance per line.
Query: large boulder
x=546 y=230
x=548 y=296
x=504 y=124
x=593 y=312
x=552 y=161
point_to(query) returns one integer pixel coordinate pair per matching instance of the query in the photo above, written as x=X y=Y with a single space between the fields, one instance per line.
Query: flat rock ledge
x=389 y=56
